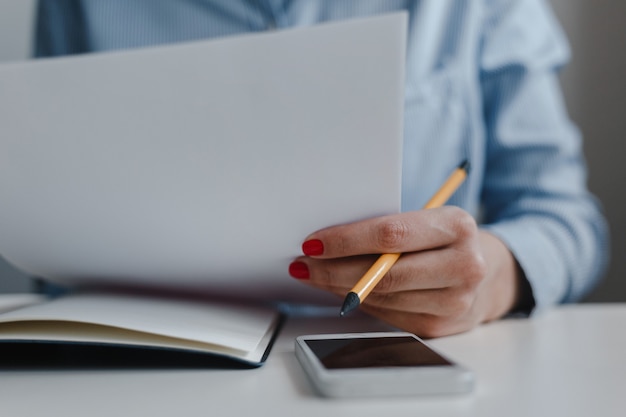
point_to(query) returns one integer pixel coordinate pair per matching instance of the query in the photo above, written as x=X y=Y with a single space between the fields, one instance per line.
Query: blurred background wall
x=594 y=89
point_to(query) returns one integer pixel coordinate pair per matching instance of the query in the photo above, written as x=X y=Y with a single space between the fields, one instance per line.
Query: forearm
x=535 y=197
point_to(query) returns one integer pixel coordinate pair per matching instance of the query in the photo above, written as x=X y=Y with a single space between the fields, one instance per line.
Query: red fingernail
x=313 y=247
x=299 y=270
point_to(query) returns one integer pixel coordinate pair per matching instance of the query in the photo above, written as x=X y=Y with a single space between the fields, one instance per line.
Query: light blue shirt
x=481 y=84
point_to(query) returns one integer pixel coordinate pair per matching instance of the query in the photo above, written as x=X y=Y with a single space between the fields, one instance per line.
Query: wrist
x=506 y=286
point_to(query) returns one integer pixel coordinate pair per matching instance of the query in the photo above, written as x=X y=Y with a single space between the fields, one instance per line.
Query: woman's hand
x=450 y=278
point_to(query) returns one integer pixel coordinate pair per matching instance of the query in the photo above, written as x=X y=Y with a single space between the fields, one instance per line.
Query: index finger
x=404 y=232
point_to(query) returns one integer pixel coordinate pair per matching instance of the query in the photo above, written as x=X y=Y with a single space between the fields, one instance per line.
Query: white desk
x=570 y=361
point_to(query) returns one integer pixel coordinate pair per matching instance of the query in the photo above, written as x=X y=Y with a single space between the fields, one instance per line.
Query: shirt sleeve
x=535 y=194
x=60 y=28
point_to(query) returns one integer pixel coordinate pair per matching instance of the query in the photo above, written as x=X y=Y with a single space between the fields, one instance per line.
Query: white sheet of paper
x=201 y=165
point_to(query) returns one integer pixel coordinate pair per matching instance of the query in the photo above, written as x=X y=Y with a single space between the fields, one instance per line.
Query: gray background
x=594 y=89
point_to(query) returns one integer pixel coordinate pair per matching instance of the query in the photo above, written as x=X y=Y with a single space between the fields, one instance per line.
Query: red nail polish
x=313 y=247
x=299 y=270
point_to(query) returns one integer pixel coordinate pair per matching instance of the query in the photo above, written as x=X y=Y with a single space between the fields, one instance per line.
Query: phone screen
x=374 y=352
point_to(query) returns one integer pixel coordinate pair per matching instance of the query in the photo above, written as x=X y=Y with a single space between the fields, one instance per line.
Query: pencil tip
x=465 y=165
x=351 y=302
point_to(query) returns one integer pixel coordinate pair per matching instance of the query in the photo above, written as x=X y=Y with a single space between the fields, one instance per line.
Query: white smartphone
x=378 y=364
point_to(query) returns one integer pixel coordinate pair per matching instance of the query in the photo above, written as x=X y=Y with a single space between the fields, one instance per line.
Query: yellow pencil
x=384 y=263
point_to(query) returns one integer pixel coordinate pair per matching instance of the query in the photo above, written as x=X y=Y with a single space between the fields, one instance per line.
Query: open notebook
x=193 y=168
x=141 y=325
